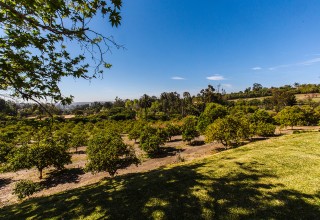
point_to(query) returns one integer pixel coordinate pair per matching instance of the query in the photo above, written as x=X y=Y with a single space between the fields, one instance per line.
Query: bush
x=25 y=188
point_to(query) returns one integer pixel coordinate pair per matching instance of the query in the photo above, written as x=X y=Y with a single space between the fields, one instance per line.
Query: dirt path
x=74 y=177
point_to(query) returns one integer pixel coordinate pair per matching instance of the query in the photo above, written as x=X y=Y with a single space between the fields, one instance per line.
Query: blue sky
x=185 y=45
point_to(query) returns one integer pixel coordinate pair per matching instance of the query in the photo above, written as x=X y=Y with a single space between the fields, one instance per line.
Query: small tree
x=150 y=140
x=290 y=116
x=48 y=153
x=172 y=130
x=25 y=188
x=79 y=140
x=5 y=149
x=189 y=129
x=228 y=131
x=261 y=123
x=135 y=131
x=40 y=154
x=212 y=112
x=107 y=152
x=263 y=129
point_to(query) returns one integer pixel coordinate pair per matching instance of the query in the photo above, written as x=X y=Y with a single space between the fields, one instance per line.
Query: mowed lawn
x=277 y=178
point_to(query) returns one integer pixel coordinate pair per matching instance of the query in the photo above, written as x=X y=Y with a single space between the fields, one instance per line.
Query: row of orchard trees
x=26 y=145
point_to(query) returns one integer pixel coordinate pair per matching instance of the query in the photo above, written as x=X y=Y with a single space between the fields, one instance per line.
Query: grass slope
x=274 y=179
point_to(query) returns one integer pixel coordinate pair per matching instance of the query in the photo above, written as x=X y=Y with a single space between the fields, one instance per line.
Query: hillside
x=276 y=178
x=315 y=97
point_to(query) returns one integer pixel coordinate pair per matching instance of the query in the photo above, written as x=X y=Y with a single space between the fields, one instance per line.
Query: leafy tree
x=282 y=98
x=189 y=129
x=36 y=42
x=5 y=149
x=145 y=102
x=256 y=87
x=211 y=113
x=310 y=117
x=290 y=116
x=107 y=152
x=79 y=137
x=261 y=115
x=25 y=188
x=209 y=95
x=150 y=140
x=261 y=123
x=172 y=130
x=229 y=130
x=135 y=132
x=263 y=129
x=163 y=134
x=186 y=104
x=63 y=137
x=40 y=154
x=170 y=103
x=317 y=114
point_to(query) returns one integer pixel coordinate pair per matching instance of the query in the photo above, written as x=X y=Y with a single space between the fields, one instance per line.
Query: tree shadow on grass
x=175 y=140
x=167 y=152
x=197 y=143
x=63 y=176
x=182 y=192
x=4 y=182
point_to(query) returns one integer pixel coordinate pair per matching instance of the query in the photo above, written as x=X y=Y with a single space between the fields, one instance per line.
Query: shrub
x=25 y=188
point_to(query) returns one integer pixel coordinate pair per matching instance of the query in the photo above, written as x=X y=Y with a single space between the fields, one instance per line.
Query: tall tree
x=36 y=41
x=145 y=102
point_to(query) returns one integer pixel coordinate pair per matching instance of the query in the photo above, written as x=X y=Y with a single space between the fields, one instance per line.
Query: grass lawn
x=277 y=178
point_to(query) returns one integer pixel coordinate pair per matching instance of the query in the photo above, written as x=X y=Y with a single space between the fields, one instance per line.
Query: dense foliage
x=36 y=42
x=107 y=152
x=25 y=188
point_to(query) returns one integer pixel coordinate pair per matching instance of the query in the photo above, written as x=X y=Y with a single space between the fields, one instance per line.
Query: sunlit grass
x=272 y=179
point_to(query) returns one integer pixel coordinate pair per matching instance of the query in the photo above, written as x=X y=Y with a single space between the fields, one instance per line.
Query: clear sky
x=184 y=45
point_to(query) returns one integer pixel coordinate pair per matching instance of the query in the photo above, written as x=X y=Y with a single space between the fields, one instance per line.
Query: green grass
x=274 y=179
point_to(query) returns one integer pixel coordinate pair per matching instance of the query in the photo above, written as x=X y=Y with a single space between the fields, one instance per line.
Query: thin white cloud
x=310 y=62
x=227 y=85
x=304 y=63
x=281 y=66
x=177 y=78
x=256 y=68
x=216 y=77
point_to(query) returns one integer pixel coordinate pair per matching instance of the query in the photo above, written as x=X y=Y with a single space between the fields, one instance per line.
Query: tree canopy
x=36 y=41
